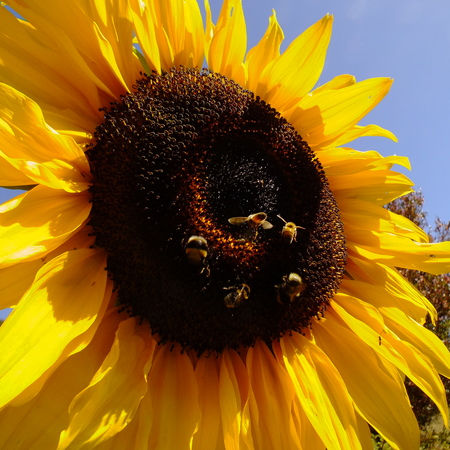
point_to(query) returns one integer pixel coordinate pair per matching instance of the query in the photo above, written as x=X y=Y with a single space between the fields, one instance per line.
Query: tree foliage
x=435 y=287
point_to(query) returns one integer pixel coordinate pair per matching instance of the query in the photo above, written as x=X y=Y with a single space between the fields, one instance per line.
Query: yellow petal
x=367 y=324
x=364 y=435
x=344 y=161
x=207 y=375
x=93 y=41
x=376 y=186
x=47 y=73
x=38 y=221
x=398 y=291
x=15 y=280
x=233 y=392
x=108 y=59
x=140 y=429
x=144 y=22
x=55 y=174
x=75 y=347
x=12 y=177
x=420 y=337
x=358 y=131
x=173 y=389
x=401 y=251
x=380 y=398
x=46 y=415
x=379 y=295
x=297 y=70
x=209 y=27
x=271 y=397
x=115 y=29
x=170 y=33
x=32 y=147
x=127 y=438
x=185 y=29
x=136 y=434
x=110 y=401
x=262 y=54
x=307 y=435
x=337 y=82
x=52 y=319
x=229 y=43
x=328 y=114
x=321 y=392
x=357 y=215
x=246 y=438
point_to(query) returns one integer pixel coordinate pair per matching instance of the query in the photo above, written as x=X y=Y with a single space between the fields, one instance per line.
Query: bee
x=290 y=288
x=289 y=231
x=254 y=220
x=238 y=295
x=196 y=250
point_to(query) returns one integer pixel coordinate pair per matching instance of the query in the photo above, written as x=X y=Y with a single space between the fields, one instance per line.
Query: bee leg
x=205 y=271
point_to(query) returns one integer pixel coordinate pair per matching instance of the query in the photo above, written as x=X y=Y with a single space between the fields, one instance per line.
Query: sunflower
x=198 y=259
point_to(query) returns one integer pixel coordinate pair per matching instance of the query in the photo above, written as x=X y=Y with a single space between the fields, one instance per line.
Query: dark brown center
x=218 y=221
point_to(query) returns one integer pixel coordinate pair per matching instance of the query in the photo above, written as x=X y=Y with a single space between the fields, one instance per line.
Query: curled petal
x=321 y=392
x=109 y=403
x=49 y=323
x=35 y=223
x=229 y=42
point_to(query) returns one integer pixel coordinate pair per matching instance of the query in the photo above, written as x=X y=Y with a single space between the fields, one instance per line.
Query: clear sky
x=408 y=40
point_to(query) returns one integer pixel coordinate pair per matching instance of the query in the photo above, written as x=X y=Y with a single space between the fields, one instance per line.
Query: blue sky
x=408 y=40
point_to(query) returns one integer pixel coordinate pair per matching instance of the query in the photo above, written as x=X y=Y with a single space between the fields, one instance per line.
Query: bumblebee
x=196 y=250
x=238 y=295
x=290 y=288
x=289 y=231
x=255 y=220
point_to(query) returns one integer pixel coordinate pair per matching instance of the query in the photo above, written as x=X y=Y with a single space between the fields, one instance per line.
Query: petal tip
x=328 y=18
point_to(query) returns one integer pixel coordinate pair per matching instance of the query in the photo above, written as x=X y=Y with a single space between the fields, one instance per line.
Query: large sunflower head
x=199 y=261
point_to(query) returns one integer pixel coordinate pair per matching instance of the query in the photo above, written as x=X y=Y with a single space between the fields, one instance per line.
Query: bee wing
x=258 y=217
x=267 y=225
x=238 y=220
